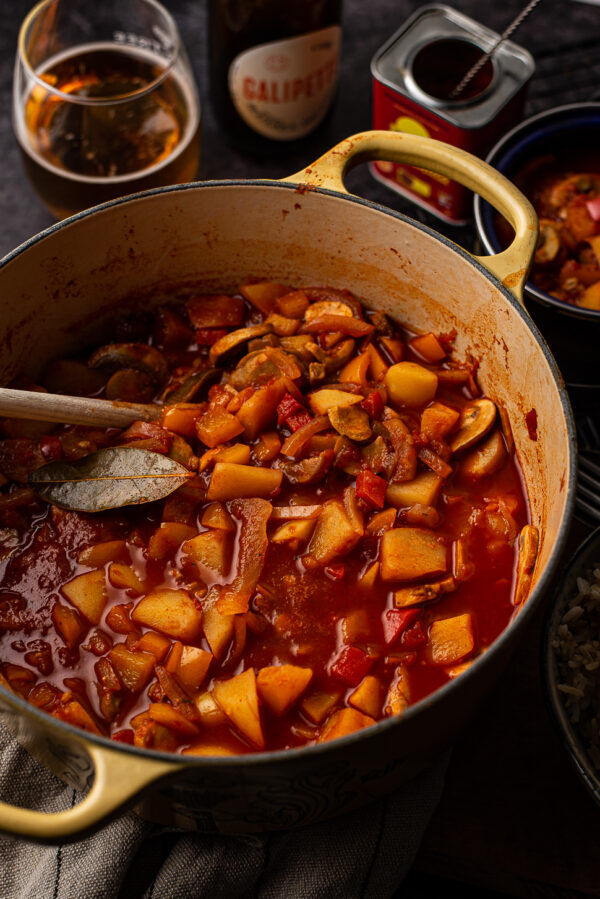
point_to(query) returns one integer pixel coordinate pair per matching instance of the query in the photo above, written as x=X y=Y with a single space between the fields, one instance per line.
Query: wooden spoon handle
x=73 y=409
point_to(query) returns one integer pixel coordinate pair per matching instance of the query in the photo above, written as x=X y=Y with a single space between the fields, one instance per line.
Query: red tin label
x=393 y=111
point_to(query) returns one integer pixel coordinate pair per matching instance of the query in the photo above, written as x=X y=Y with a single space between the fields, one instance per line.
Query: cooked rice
x=577 y=651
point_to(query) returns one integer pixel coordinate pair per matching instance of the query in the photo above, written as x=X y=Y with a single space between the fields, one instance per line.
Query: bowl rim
x=582 y=559
x=481 y=207
x=289 y=756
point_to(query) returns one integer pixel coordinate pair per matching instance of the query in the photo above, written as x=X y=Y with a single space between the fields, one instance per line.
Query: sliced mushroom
x=528 y=548
x=130 y=386
x=335 y=358
x=194 y=386
x=329 y=294
x=132 y=355
x=475 y=421
x=350 y=421
x=486 y=459
x=255 y=368
x=308 y=471
x=299 y=345
x=327 y=307
x=236 y=339
x=549 y=242
x=261 y=342
x=422 y=593
x=383 y=325
x=316 y=372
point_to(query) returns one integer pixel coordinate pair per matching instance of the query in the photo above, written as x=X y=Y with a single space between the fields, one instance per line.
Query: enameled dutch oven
x=58 y=290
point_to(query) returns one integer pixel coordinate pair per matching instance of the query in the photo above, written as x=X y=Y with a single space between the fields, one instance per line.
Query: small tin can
x=414 y=74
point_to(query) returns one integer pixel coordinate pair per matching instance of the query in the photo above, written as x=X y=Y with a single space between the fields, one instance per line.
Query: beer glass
x=104 y=101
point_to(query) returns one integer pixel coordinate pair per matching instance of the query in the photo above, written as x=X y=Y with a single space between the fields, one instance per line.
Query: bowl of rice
x=571 y=656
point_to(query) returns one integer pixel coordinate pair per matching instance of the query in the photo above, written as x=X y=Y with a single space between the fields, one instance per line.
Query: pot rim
x=516 y=136
x=289 y=756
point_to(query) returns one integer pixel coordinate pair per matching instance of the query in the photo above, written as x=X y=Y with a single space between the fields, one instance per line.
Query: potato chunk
x=167 y=538
x=324 y=400
x=410 y=384
x=238 y=698
x=230 y=481
x=334 y=535
x=218 y=629
x=193 y=666
x=172 y=612
x=210 y=553
x=423 y=489
x=87 y=592
x=451 y=639
x=280 y=686
x=411 y=553
x=134 y=669
x=343 y=722
x=367 y=696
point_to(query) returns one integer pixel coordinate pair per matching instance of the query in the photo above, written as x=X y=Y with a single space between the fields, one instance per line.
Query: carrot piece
x=217 y=426
x=356 y=370
x=428 y=347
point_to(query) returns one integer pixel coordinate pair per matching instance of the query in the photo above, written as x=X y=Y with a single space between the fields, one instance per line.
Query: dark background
x=562 y=35
x=502 y=825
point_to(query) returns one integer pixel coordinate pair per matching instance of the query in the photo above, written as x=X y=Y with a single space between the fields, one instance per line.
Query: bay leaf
x=109 y=479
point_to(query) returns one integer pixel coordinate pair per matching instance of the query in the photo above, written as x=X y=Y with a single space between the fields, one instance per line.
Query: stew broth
x=321 y=569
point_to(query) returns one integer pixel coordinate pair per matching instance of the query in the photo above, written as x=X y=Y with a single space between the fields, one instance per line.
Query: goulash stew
x=342 y=539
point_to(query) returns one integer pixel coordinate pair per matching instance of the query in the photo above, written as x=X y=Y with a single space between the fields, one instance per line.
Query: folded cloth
x=361 y=855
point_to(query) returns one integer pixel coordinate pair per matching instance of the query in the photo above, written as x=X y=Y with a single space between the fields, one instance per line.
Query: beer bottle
x=274 y=66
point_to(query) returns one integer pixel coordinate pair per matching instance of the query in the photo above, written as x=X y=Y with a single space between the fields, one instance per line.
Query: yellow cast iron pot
x=61 y=288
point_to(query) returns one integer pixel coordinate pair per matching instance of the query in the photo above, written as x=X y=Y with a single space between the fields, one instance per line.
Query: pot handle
x=117 y=780
x=511 y=266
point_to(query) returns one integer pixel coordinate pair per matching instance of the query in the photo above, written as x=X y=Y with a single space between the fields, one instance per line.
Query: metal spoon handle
x=73 y=409
x=486 y=56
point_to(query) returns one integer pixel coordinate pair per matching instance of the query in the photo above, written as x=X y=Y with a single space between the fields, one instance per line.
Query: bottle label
x=283 y=89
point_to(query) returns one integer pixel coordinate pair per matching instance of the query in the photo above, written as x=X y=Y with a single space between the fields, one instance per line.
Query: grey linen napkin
x=362 y=855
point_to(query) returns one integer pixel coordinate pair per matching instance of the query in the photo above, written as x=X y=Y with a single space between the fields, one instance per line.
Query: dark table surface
x=502 y=823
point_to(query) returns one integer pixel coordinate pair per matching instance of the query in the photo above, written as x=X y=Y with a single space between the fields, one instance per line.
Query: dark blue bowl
x=572 y=332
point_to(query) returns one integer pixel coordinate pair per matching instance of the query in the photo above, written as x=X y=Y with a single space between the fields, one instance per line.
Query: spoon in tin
x=487 y=56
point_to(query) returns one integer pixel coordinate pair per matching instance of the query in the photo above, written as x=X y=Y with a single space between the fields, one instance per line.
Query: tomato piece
x=395 y=622
x=413 y=636
x=371 y=489
x=373 y=404
x=208 y=336
x=351 y=665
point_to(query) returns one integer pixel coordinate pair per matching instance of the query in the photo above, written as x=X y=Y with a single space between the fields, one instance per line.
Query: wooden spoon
x=74 y=409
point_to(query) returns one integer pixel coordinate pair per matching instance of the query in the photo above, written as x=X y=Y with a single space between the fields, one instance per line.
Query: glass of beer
x=104 y=102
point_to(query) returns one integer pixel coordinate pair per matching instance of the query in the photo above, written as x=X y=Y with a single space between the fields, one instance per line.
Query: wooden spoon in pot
x=74 y=409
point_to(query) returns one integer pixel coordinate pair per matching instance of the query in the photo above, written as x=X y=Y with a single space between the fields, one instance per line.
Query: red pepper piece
x=208 y=336
x=413 y=636
x=395 y=621
x=371 y=489
x=298 y=420
x=351 y=665
x=123 y=736
x=335 y=572
x=51 y=447
x=289 y=405
x=373 y=404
